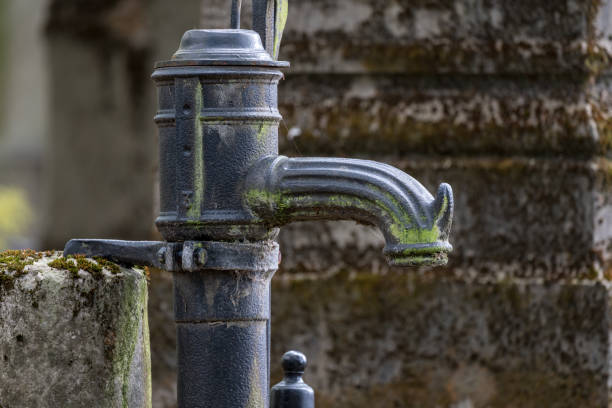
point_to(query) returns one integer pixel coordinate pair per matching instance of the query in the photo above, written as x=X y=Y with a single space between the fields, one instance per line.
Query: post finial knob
x=292 y=392
x=294 y=362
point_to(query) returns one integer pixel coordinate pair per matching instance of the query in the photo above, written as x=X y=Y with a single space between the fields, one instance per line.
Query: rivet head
x=161 y=256
x=200 y=257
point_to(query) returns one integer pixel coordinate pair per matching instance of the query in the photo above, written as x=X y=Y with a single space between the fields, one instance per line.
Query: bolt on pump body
x=224 y=193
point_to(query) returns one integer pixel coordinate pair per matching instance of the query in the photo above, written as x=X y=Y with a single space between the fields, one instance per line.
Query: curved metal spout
x=415 y=225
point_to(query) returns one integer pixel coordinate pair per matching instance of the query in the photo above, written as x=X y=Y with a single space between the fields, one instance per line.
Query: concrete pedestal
x=76 y=336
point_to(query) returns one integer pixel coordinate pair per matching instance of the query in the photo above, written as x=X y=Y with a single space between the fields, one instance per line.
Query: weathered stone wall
x=73 y=333
x=399 y=341
x=509 y=103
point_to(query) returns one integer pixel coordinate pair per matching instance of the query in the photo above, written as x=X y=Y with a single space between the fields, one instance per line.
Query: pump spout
x=416 y=226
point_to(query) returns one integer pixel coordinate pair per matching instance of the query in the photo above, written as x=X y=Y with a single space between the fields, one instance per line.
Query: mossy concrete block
x=72 y=338
x=397 y=340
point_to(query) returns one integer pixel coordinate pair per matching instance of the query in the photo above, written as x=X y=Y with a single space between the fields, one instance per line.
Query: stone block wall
x=509 y=103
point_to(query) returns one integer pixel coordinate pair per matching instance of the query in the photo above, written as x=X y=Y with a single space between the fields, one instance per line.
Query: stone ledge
x=72 y=338
x=404 y=114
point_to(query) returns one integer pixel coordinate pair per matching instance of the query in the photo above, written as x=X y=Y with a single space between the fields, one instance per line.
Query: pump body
x=224 y=193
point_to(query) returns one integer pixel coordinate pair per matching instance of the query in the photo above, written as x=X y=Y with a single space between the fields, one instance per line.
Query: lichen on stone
x=16 y=260
x=13 y=263
x=76 y=263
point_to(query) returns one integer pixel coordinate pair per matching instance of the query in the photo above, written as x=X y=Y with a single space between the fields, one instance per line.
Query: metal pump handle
x=269 y=18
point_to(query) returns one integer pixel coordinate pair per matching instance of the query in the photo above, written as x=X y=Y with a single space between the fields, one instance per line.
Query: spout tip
x=432 y=254
x=443 y=209
x=430 y=247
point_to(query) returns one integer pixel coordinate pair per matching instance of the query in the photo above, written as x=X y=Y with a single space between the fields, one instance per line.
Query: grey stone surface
x=445 y=115
x=458 y=36
x=73 y=340
x=399 y=340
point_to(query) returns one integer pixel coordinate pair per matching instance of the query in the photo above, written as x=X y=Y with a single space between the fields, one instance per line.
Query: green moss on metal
x=255 y=198
x=198 y=158
x=281 y=14
x=414 y=235
x=402 y=226
x=262 y=131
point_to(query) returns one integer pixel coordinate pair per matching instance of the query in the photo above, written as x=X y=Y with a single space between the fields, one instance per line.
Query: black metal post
x=223 y=329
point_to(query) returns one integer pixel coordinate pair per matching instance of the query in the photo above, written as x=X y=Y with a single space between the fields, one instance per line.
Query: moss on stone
x=76 y=263
x=13 y=263
x=525 y=115
x=16 y=260
x=130 y=321
x=195 y=206
x=511 y=388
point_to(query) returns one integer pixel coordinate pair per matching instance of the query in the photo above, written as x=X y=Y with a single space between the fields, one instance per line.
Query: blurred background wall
x=509 y=102
x=23 y=122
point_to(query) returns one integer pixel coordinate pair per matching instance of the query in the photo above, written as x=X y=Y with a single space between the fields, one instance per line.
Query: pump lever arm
x=145 y=253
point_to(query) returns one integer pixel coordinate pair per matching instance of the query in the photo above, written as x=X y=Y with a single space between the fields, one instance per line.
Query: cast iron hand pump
x=224 y=193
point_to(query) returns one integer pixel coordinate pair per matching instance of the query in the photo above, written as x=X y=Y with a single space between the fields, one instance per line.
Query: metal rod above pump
x=235 y=19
